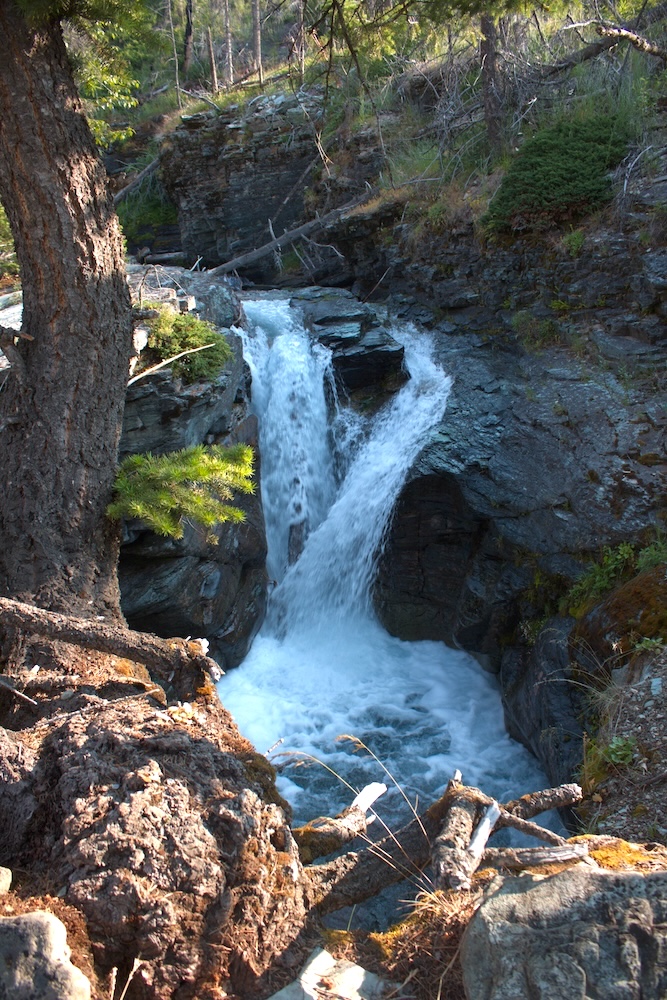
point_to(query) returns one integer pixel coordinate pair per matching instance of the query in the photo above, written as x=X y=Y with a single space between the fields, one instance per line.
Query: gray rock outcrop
x=230 y=173
x=579 y=935
x=35 y=960
x=539 y=461
x=190 y=586
x=364 y=356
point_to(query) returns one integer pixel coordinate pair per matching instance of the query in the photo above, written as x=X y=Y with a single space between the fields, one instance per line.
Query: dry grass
x=421 y=953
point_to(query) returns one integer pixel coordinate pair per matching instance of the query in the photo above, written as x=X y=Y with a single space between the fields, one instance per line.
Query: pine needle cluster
x=189 y=486
x=172 y=332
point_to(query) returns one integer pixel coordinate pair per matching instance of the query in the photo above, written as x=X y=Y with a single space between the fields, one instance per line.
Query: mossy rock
x=634 y=611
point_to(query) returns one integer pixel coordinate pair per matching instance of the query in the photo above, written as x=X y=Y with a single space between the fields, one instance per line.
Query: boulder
x=578 y=935
x=35 y=960
x=364 y=355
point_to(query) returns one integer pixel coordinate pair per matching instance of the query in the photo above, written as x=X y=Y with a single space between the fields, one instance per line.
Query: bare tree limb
x=325 y=835
x=289 y=237
x=136 y=181
x=637 y=41
x=515 y=859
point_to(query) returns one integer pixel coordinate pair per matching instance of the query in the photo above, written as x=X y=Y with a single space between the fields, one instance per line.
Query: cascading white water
x=322 y=666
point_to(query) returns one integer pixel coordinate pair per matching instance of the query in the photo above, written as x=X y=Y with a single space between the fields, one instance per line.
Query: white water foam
x=322 y=667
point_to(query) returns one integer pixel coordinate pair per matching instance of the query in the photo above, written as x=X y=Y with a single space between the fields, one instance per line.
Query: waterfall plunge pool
x=325 y=691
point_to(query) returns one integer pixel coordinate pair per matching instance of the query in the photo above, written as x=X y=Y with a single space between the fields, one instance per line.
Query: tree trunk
x=257 y=40
x=490 y=98
x=188 y=39
x=229 y=58
x=61 y=409
x=211 y=58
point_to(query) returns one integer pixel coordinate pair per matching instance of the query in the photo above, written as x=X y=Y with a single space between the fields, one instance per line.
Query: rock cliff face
x=189 y=586
x=546 y=453
x=233 y=175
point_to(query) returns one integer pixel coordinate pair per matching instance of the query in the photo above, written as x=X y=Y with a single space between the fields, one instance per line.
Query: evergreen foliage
x=192 y=485
x=561 y=173
x=172 y=332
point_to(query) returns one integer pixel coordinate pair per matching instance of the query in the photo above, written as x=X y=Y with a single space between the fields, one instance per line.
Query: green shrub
x=654 y=554
x=602 y=577
x=172 y=332
x=535 y=332
x=574 y=242
x=192 y=485
x=561 y=173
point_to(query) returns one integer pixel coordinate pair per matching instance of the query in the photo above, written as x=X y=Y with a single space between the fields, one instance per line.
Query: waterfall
x=322 y=666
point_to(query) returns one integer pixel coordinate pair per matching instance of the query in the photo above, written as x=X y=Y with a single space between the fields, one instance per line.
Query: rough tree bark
x=61 y=419
x=188 y=38
x=488 y=51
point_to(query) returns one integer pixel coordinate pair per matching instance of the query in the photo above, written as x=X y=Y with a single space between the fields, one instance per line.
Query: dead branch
x=443 y=834
x=358 y=875
x=532 y=829
x=6 y=686
x=539 y=802
x=452 y=864
x=286 y=239
x=516 y=859
x=637 y=41
x=326 y=834
x=141 y=176
x=162 y=655
x=608 y=42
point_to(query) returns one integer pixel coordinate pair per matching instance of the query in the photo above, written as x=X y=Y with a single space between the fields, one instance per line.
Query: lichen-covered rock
x=35 y=960
x=154 y=824
x=579 y=935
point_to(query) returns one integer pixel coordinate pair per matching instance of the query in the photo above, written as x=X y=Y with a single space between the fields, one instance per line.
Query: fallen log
x=136 y=181
x=444 y=835
x=549 y=798
x=452 y=864
x=286 y=239
x=162 y=655
x=519 y=858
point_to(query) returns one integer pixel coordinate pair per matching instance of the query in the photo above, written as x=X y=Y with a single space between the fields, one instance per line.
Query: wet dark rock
x=365 y=357
x=538 y=462
x=543 y=700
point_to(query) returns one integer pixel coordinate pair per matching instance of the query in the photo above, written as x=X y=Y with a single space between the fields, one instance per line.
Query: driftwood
x=516 y=859
x=162 y=655
x=443 y=828
x=286 y=239
x=325 y=835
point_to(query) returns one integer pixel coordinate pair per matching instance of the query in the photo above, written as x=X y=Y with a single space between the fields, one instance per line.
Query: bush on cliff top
x=172 y=332
x=560 y=174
